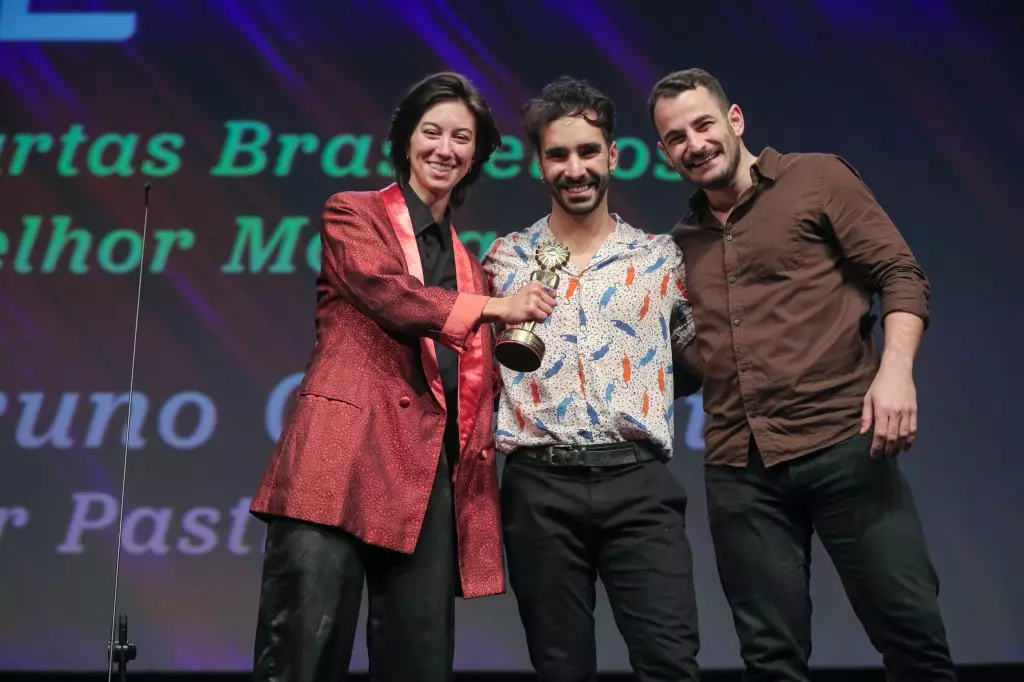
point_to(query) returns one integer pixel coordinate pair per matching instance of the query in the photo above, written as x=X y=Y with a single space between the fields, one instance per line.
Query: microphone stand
x=123 y=651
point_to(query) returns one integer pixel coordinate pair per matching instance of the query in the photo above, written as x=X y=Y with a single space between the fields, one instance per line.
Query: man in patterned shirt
x=585 y=490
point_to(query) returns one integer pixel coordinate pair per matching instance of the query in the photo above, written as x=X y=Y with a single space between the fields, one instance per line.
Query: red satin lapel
x=472 y=370
x=401 y=223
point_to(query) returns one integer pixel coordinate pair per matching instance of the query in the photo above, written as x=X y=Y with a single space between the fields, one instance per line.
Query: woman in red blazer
x=385 y=470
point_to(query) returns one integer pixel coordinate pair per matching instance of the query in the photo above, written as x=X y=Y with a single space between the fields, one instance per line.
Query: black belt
x=601 y=455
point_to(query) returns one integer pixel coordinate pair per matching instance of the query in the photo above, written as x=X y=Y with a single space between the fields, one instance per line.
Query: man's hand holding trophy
x=519 y=348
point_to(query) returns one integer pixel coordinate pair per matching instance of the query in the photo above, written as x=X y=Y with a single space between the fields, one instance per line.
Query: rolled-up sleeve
x=870 y=241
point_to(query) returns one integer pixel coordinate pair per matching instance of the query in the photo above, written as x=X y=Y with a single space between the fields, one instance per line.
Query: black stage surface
x=995 y=673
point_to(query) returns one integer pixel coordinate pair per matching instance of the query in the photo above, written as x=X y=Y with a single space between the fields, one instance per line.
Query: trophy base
x=519 y=350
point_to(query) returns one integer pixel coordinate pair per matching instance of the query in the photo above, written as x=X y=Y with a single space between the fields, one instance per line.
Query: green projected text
x=251 y=148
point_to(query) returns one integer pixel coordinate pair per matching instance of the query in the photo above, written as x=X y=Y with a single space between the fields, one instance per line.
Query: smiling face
x=441 y=149
x=576 y=163
x=699 y=137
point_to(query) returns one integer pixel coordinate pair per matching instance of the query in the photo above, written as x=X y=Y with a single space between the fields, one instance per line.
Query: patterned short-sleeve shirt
x=607 y=369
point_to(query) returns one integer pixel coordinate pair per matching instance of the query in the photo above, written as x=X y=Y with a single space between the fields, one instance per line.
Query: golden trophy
x=518 y=348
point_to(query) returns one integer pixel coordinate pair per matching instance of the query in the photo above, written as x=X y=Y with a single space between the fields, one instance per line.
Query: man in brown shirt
x=805 y=421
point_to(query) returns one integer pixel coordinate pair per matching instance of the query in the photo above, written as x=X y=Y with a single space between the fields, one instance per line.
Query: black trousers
x=566 y=525
x=862 y=509
x=312 y=589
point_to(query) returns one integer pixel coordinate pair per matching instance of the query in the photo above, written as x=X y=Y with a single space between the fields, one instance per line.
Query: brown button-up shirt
x=781 y=299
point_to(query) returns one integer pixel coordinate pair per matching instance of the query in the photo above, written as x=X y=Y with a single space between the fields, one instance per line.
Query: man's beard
x=598 y=182
x=725 y=177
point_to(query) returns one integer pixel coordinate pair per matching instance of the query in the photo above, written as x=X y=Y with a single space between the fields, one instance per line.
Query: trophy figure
x=518 y=348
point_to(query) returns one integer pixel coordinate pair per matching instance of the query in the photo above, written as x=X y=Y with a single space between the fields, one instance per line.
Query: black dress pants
x=312 y=589
x=566 y=525
x=862 y=509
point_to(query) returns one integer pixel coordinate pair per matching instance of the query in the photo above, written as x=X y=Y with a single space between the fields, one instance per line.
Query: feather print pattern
x=563 y=405
x=606 y=297
x=655 y=266
x=635 y=422
x=624 y=327
x=615 y=324
x=554 y=369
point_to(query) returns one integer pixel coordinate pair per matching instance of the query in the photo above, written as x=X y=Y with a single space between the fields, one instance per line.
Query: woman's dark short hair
x=434 y=89
x=564 y=97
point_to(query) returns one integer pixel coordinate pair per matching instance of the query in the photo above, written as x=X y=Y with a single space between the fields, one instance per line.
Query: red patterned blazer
x=361 y=443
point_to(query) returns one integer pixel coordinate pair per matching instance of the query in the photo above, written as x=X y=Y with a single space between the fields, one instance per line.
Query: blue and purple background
x=923 y=97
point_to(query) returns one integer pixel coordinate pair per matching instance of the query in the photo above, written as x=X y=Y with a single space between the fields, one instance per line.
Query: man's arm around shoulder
x=686 y=375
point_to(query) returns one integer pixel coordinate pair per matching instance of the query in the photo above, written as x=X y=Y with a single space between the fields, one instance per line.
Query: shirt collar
x=765 y=167
x=420 y=215
x=624 y=233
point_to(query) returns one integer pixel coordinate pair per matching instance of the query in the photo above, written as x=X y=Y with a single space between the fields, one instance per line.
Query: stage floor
x=999 y=673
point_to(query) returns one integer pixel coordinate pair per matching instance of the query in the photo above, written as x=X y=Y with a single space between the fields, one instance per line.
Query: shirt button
x=728 y=237
x=732 y=279
x=404 y=401
x=736 y=322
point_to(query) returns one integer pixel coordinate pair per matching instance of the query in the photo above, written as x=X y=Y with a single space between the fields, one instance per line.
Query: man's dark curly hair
x=564 y=97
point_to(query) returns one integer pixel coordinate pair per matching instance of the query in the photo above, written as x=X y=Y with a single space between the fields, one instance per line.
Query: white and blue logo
x=18 y=23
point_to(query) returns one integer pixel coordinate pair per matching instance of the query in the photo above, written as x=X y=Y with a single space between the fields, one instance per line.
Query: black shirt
x=437 y=255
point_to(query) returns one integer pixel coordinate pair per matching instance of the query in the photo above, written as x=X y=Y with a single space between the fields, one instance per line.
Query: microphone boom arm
x=123 y=651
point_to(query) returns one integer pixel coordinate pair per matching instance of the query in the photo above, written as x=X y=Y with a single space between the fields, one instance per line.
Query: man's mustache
x=588 y=179
x=703 y=156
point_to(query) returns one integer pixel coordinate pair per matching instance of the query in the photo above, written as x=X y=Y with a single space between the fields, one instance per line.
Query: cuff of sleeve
x=462 y=320
x=682 y=336
x=906 y=304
